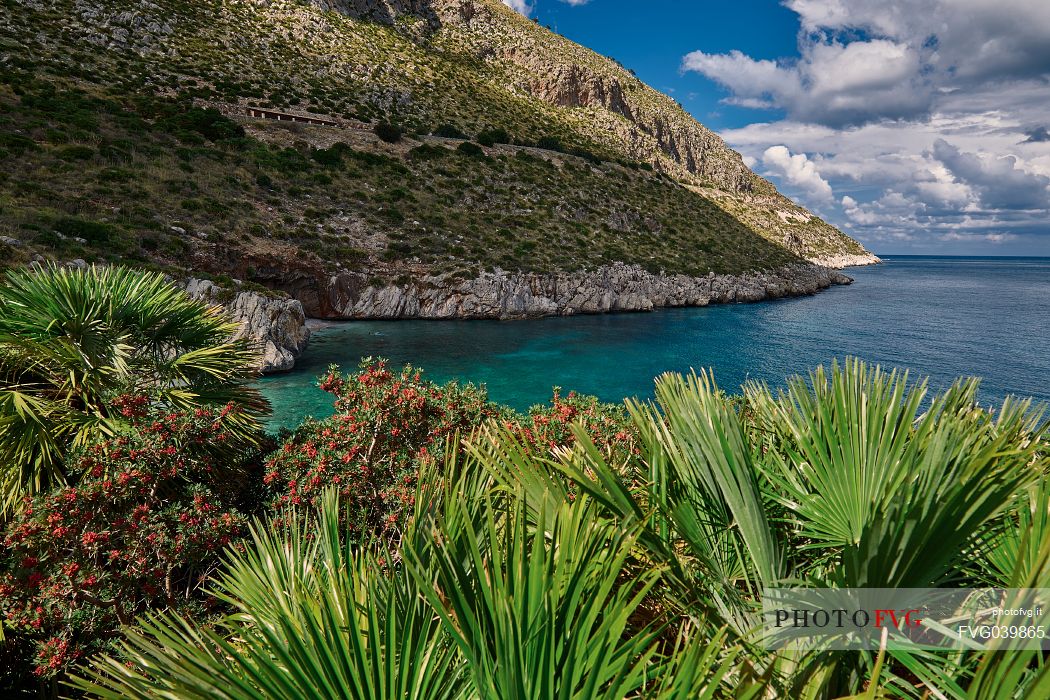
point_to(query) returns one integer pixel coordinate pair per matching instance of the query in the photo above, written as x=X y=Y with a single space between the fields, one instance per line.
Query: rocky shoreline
x=281 y=327
x=277 y=327
x=613 y=288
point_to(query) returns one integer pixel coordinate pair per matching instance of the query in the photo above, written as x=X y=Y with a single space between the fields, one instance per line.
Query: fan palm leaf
x=71 y=340
x=313 y=619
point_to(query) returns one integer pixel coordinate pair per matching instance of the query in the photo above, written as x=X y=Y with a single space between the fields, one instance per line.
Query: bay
x=936 y=316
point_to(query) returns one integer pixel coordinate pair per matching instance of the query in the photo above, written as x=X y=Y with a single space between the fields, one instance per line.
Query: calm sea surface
x=939 y=317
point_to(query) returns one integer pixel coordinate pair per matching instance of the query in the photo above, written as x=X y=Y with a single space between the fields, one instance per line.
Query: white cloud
x=928 y=117
x=1002 y=184
x=798 y=170
x=991 y=237
x=523 y=6
x=872 y=59
x=760 y=83
x=832 y=83
x=859 y=66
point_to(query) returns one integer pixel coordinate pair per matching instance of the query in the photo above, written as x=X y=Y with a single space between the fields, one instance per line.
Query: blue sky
x=918 y=126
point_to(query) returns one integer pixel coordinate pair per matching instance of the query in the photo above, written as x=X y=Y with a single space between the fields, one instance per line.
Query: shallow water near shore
x=939 y=317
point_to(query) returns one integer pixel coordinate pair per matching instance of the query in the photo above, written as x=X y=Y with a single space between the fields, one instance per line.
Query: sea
x=937 y=317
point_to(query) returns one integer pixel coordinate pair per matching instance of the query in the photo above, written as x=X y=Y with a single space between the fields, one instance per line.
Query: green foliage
x=550 y=427
x=149 y=513
x=550 y=143
x=549 y=556
x=427 y=152
x=839 y=482
x=535 y=608
x=71 y=340
x=314 y=618
x=388 y=425
x=490 y=137
x=209 y=123
x=491 y=605
x=74 y=153
x=948 y=472
x=142 y=182
x=91 y=231
x=449 y=131
x=470 y=149
x=16 y=143
x=330 y=157
x=388 y=132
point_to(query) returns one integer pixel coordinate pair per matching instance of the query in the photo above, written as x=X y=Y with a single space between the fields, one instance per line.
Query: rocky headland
x=277 y=327
x=847 y=260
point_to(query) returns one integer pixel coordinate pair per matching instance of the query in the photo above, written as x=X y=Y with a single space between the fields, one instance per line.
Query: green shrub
x=17 y=143
x=328 y=157
x=115 y=175
x=449 y=131
x=427 y=152
x=376 y=160
x=550 y=143
x=388 y=132
x=48 y=239
x=91 y=231
x=490 y=137
x=209 y=123
x=115 y=152
x=78 y=152
x=148 y=512
x=586 y=155
x=470 y=149
x=285 y=160
x=387 y=424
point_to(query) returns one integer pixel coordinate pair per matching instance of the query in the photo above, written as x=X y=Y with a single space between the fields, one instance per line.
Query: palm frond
x=313 y=619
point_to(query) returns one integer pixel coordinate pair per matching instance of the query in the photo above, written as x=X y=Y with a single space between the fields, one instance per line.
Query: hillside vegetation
x=124 y=135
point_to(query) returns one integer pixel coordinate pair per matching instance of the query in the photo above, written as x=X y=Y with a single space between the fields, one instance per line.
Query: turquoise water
x=941 y=317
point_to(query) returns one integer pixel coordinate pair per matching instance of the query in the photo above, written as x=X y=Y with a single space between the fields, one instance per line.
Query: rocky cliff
x=503 y=295
x=608 y=105
x=277 y=327
x=625 y=114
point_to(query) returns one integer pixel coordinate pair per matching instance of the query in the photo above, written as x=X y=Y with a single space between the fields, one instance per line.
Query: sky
x=916 y=126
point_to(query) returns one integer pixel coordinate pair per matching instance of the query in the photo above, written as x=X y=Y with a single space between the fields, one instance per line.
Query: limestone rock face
x=276 y=326
x=848 y=260
x=625 y=112
x=611 y=108
x=614 y=288
x=386 y=11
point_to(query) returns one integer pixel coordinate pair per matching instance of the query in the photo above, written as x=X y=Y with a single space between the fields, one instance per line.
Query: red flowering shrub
x=142 y=528
x=387 y=424
x=550 y=426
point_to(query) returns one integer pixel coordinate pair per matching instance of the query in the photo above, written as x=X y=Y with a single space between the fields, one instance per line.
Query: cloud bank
x=926 y=119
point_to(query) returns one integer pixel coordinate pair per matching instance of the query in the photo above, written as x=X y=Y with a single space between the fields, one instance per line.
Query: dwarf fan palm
x=489 y=604
x=839 y=481
x=71 y=340
x=313 y=619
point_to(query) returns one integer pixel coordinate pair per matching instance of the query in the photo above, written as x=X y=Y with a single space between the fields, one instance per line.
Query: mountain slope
x=107 y=152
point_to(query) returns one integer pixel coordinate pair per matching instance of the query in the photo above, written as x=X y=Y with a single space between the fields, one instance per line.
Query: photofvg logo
x=906 y=618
